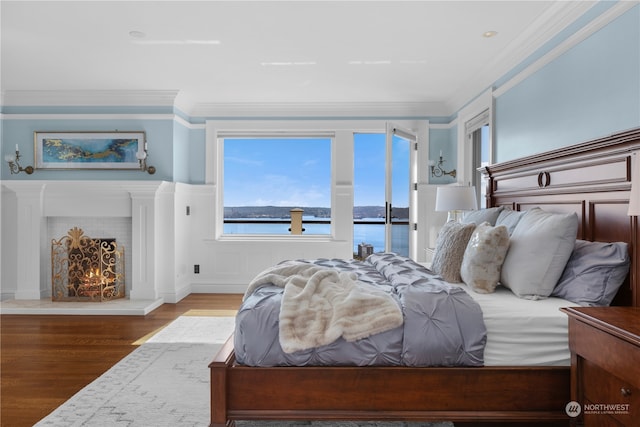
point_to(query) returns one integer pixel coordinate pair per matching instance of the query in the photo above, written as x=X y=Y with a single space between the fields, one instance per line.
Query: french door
x=400 y=145
x=383 y=196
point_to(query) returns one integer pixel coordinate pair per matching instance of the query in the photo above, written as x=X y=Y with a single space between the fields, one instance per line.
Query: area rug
x=165 y=383
x=195 y=329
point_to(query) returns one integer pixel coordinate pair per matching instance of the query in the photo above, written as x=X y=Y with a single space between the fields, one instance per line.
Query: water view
x=265 y=177
x=372 y=234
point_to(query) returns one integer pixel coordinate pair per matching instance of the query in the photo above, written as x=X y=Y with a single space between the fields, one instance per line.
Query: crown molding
x=21 y=98
x=579 y=36
x=549 y=24
x=318 y=109
x=62 y=98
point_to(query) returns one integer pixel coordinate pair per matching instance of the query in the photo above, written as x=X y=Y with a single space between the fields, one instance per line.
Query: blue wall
x=590 y=91
x=180 y=153
x=197 y=156
x=159 y=134
x=189 y=154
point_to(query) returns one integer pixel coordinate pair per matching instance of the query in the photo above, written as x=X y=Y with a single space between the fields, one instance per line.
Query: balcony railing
x=370 y=231
x=288 y=221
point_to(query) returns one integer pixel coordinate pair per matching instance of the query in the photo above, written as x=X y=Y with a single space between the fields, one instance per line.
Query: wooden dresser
x=605 y=365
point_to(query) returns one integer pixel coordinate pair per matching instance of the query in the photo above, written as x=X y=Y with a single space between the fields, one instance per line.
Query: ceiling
x=215 y=53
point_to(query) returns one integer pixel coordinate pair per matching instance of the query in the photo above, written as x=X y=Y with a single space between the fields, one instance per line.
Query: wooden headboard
x=592 y=179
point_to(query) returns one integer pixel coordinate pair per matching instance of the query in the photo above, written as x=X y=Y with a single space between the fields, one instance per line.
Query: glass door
x=369 y=178
x=383 y=195
x=398 y=189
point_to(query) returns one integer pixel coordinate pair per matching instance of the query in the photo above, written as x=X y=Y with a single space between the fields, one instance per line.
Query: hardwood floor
x=46 y=359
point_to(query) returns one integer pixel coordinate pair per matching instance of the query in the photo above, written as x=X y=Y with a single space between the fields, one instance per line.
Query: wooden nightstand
x=605 y=364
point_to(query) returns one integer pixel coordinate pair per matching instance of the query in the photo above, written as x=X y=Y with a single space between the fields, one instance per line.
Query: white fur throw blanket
x=320 y=305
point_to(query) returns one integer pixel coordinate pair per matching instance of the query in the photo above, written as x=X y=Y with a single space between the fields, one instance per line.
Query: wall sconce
x=437 y=170
x=14 y=163
x=142 y=159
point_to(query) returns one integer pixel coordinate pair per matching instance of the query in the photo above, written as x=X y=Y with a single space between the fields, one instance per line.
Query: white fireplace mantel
x=36 y=200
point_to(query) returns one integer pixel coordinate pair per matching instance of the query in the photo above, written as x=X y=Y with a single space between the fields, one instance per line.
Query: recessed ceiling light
x=137 y=34
x=489 y=34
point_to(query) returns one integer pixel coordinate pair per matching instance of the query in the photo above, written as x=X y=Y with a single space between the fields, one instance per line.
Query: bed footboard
x=221 y=363
x=488 y=394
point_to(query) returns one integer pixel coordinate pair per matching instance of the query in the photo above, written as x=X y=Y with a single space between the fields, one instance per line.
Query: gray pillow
x=479 y=216
x=509 y=218
x=449 y=251
x=539 y=249
x=594 y=273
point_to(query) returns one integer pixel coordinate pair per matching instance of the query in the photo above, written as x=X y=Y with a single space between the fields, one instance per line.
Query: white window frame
x=341 y=165
x=224 y=135
x=465 y=152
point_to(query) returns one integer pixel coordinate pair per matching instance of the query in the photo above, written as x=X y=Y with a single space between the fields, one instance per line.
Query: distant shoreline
x=283 y=212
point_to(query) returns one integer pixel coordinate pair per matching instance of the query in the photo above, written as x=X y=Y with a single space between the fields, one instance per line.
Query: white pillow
x=484 y=257
x=540 y=247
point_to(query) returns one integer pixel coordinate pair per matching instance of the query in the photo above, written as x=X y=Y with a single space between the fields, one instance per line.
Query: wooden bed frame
x=591 y=179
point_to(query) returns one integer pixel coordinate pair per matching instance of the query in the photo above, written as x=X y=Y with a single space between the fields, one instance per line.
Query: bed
x=592 y=180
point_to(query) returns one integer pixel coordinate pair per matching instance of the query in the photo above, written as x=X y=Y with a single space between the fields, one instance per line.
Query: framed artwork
x=88 y=150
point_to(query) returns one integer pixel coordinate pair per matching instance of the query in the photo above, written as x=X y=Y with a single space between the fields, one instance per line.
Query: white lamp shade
x=455 y=198
x=634 y=198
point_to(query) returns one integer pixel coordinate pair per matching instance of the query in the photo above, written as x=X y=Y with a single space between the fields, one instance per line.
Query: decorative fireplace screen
x=86 y=269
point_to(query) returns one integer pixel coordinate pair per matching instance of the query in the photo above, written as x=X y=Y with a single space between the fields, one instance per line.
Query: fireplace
x=86 y=268
x=139 y=215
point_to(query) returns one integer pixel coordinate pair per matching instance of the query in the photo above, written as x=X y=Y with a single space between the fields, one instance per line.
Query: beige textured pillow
x=449 y=251
x=483 y=258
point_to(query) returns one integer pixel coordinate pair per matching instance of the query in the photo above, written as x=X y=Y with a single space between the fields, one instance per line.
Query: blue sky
x=297 y=172
x=369 y=170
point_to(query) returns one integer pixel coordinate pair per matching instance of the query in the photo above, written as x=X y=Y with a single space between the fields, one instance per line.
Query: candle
x=440 y=153
x=17 y=149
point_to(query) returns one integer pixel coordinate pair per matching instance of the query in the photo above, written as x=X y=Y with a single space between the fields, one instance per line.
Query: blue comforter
x=443 y=325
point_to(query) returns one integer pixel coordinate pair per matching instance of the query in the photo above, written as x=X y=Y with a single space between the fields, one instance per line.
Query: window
x=475 y=143
x=265 y=178
x=288 y=164
x=480 y=147
x=477 y=131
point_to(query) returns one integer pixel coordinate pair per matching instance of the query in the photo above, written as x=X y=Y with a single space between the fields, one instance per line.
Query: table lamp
x=455 y=199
